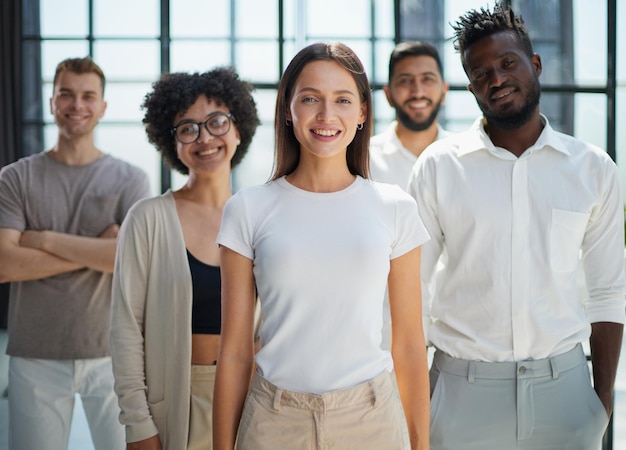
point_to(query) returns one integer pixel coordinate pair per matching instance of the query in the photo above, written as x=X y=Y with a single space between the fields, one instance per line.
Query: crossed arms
x=32 y=255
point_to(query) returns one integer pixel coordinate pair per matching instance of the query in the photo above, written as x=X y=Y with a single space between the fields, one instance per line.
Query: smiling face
x=325 y=109
x=77 y=104
x=416 y=91
x=207 y=153
x=503 y=79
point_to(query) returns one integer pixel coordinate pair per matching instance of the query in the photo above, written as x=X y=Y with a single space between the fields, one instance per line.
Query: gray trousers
x=540 y=404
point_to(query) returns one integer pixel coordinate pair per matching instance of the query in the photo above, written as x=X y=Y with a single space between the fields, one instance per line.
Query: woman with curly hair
x=166 y=309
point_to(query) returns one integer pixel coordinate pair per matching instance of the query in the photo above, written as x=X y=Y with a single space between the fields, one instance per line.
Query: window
x=135 y=41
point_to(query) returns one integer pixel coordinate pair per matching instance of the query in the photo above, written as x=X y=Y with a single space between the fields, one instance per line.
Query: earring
x=359 y=126
x=238 y=141
x=288 y=122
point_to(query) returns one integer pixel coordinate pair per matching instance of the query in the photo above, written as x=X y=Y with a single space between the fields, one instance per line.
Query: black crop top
x=206 y=311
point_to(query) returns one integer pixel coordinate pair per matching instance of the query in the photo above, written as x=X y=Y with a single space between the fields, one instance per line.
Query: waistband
x=200 y=371
x=368 y=392
x=510 y=370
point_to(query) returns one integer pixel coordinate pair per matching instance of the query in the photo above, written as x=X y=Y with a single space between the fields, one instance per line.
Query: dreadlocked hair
x=476 y=24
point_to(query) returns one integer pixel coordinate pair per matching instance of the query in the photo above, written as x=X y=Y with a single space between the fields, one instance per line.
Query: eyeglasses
x=217 y=124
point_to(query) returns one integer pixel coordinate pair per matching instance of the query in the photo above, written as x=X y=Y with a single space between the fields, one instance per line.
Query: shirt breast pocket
x=97 y=213
x=566 y=236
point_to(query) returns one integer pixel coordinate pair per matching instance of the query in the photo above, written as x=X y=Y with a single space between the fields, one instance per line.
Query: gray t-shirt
x=65 y=316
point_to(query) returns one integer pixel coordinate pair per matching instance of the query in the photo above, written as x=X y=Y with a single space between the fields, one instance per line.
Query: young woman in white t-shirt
x=319 y=243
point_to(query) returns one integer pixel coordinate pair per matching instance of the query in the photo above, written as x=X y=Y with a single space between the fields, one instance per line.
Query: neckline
x=358 y=181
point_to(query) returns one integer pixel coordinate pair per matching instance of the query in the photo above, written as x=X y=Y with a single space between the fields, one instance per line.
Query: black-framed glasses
x=217 y=124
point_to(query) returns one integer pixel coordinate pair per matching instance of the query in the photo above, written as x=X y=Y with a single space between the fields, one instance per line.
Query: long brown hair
x=287 y=147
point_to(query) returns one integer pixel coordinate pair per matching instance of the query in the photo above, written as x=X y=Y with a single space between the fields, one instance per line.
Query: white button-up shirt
x=390 y=161
x=513 y=234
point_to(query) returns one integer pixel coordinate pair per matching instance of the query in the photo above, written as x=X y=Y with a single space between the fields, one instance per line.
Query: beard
x=516 y=119
x=413 y=125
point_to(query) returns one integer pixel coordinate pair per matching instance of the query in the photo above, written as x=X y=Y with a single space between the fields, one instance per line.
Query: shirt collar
x=392 y=136
x=477 y=139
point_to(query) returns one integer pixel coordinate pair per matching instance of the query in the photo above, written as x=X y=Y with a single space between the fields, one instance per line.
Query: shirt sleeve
x=410 y=231
x=235 y=230
x=11 y=205
x=128 y=305
x=603 y=253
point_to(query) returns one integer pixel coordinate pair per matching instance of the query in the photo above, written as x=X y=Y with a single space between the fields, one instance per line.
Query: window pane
x=199 y=56
x=46 y=94
x=190 y=18
x=363 y=50
x=291 y=19
x=53 y=52
x=129 y=142
x=461 y=110
x=383 y=113
x=258 y=61
x=348 y=19
x=590 y=118
x=256 y=166
x=256 y=18
x=451 y=60
x=422 y=20
x=265 y=104
x=136 y=18
x=383 y=19
x=50 y=136
x=124 y=101
x=452 y=68
x=63 y=18
x=549 y=25
x=128 y=60
x=381 y=71
x=590 y=38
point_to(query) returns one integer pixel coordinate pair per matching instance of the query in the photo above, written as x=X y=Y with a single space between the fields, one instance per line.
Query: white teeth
x=504 y=94
x=325 y=132
x=418 y=105
x=208 y=152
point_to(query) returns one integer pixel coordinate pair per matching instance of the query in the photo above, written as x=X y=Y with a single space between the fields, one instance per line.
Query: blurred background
x=583 y=80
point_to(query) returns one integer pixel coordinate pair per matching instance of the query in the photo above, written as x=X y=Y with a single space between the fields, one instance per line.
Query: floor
x=81 y=440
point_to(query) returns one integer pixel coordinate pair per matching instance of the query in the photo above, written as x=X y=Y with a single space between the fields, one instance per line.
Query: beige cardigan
x=151 y=324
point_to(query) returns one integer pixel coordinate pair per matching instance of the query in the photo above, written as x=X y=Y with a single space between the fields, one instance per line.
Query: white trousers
x=41 y=403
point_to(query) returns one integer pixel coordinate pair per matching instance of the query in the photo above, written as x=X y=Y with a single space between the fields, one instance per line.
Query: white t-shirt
x=321 y=262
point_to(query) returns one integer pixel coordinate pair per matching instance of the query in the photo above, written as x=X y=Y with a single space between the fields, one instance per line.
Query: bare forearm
x=231 y=387
x=408 y=347
x=152 y=443
x=605 y=343
x=413 y=386
x=96 y=253
x=24 y=264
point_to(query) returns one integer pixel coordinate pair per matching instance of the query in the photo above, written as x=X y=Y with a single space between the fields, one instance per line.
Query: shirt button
x=522 y=370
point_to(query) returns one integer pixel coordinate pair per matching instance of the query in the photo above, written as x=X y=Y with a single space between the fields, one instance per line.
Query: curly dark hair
x=175 y=93
x=475 y=25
